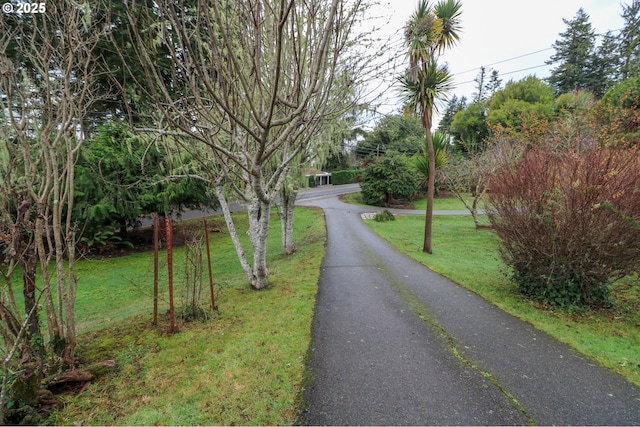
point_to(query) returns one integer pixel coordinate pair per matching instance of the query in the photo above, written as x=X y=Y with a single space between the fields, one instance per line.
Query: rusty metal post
x=156 y=236
x=206 y=238
x=169 y=231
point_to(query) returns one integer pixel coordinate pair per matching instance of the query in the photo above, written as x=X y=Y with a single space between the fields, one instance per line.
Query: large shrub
x=569 y=222
x=388 y=181
x=618 y=114
x=345 y=176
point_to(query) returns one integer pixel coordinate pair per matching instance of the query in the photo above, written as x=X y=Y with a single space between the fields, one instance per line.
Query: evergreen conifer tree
x=630 y=40
x=574 y=55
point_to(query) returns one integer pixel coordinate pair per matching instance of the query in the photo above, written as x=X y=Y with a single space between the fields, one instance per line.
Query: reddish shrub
x=569 y=222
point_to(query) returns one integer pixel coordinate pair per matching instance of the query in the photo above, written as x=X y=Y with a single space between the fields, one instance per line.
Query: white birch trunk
x=286 y=205
x=242 y=257
x=259 y=217
x=258 y=214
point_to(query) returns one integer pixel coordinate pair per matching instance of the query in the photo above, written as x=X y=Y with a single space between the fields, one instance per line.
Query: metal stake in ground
x=169 y=231
x=156 y=235
x=206 y=237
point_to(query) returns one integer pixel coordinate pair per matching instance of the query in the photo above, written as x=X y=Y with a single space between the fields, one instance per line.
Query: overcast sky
x=500 y=34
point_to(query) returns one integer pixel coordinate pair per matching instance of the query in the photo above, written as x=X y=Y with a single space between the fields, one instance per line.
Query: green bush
x=388 y=181
x=618 y=112
x=345 y=176
x=384 y=216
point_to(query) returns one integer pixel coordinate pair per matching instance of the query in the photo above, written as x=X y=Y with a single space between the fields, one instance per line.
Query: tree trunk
x=26 y=255
x=242 y=257
x=259 y=218
x=52 y=322
x=70 y=302
x=474 y=211
x=28 y=262
x=70 y=243
x=473 y=207
x=286 y=213
x=431 y=184
x=124 y=233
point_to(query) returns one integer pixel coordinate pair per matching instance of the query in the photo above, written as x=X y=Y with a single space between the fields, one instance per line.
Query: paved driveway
x=395 y=344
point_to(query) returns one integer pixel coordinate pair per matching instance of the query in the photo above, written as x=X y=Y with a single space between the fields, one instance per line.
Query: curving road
x=393 y=343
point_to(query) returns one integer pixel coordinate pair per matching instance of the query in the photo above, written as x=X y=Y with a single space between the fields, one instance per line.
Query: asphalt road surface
x=395 y=344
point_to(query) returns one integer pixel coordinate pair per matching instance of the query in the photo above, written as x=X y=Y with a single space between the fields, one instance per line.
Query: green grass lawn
x=243 y=365
x=470 y=257
x=449 y=203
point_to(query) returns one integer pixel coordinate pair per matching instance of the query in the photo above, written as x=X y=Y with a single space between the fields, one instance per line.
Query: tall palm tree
x=430 y=31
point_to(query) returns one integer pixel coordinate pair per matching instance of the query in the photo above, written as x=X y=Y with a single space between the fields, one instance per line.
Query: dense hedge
x=345 y=176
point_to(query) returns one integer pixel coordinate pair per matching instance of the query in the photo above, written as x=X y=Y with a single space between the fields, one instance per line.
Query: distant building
x=318 y=179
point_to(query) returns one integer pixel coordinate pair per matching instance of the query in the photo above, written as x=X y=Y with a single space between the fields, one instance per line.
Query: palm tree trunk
x=431 y=185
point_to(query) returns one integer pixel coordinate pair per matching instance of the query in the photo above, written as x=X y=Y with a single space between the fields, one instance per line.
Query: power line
x=518 y=57
x=510 y=72
x=523 y=56
x=506 y=60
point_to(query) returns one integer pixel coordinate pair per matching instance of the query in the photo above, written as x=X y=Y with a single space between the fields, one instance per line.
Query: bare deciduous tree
x=468 y=177
x=249 y=82
x=47 y=80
